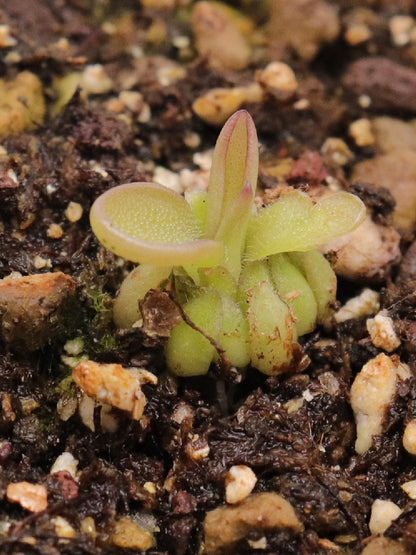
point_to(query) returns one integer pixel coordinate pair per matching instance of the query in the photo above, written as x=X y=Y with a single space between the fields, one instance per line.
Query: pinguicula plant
x=249 y=280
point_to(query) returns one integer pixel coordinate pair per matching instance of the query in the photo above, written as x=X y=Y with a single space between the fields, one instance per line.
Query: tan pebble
x=336 y=151
x=170 y=74
x=303 y=25
x=360 y=131
x=401 y=27
x=380 y=545
x=6 y=39
x=12 y=57
x=65 y=462
x=228 y=524
x=54 y=231
x=28 y=404
x=88 y=527
x=128 y=535
x=357 y=33
x=382 y=332
x=197 y=447
x=217 y=105
x=278 y=79
x=133 y=100
x=365 y=304
x=62 y=527
x=73 y=212
x=396 y=171
x=22 y=105
x=32 y=497
x=94 y=80
x=218 y=38
x=112 y=384
x=239 y=483
x=393 y=134
x=150 y=487
x=261 y=543
x=372 y=392
x=409 y=437
x=368 y=252
x=410 y=488
x=383 y=513
x=39 y=262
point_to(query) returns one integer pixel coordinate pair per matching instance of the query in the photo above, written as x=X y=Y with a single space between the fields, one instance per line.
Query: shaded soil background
x=79 y=146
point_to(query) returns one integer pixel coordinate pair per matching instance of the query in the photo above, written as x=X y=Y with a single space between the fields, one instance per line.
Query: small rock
x=409 y=437
x=32 y=497
x=94 y=80
x=303 y=25
x=383 y=546
x=365 y=304
x=73 y=212
x=278 y=79
x=366 y=253
x=218 y=37
x=129 y=535
x=65 y=462
x=410 y=488
x=388 y=84
x=112 y=384
x=217 y=105
x=227 y=525
x=239 y=483
x=397 y=173
x=392 y=134
x=401 y=27
x=382 y=332
x=360 y=131
x=32 y=307
x=22 y=105
x=62 y=527
x=382 y=515
x=372 y=392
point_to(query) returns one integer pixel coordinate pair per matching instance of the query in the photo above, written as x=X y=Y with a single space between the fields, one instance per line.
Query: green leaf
x=188 y=352
x=294 y=289
x=272 y=333
x=233 y=228
x=234 y=164
x=321 y=279
x=133 y=289
x=295 y=223
x=148 y=223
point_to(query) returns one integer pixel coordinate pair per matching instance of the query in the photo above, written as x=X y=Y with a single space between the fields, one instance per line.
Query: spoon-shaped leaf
x=235 y=163
x=148 y=223
x=295 y=223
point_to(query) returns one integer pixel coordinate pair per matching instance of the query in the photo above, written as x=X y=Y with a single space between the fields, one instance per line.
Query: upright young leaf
x=235 y=163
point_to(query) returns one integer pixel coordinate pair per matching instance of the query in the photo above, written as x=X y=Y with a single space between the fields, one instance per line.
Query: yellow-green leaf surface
x=294 y=289
x=272 y=334
x=295 y=223
x=148 y=223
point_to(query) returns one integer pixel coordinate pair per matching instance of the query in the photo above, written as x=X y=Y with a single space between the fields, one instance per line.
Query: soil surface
x=96 y=93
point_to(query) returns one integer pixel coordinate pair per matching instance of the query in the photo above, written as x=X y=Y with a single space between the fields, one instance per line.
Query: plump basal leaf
x=133 y=289
x=294 y=289
x=295 y=223
x=272 y=334
x=321 y=279
x=148 y=223
x=188 y=352
x=235 y=163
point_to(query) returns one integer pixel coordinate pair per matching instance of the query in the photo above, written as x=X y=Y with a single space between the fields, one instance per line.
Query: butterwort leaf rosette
x=249 y=281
